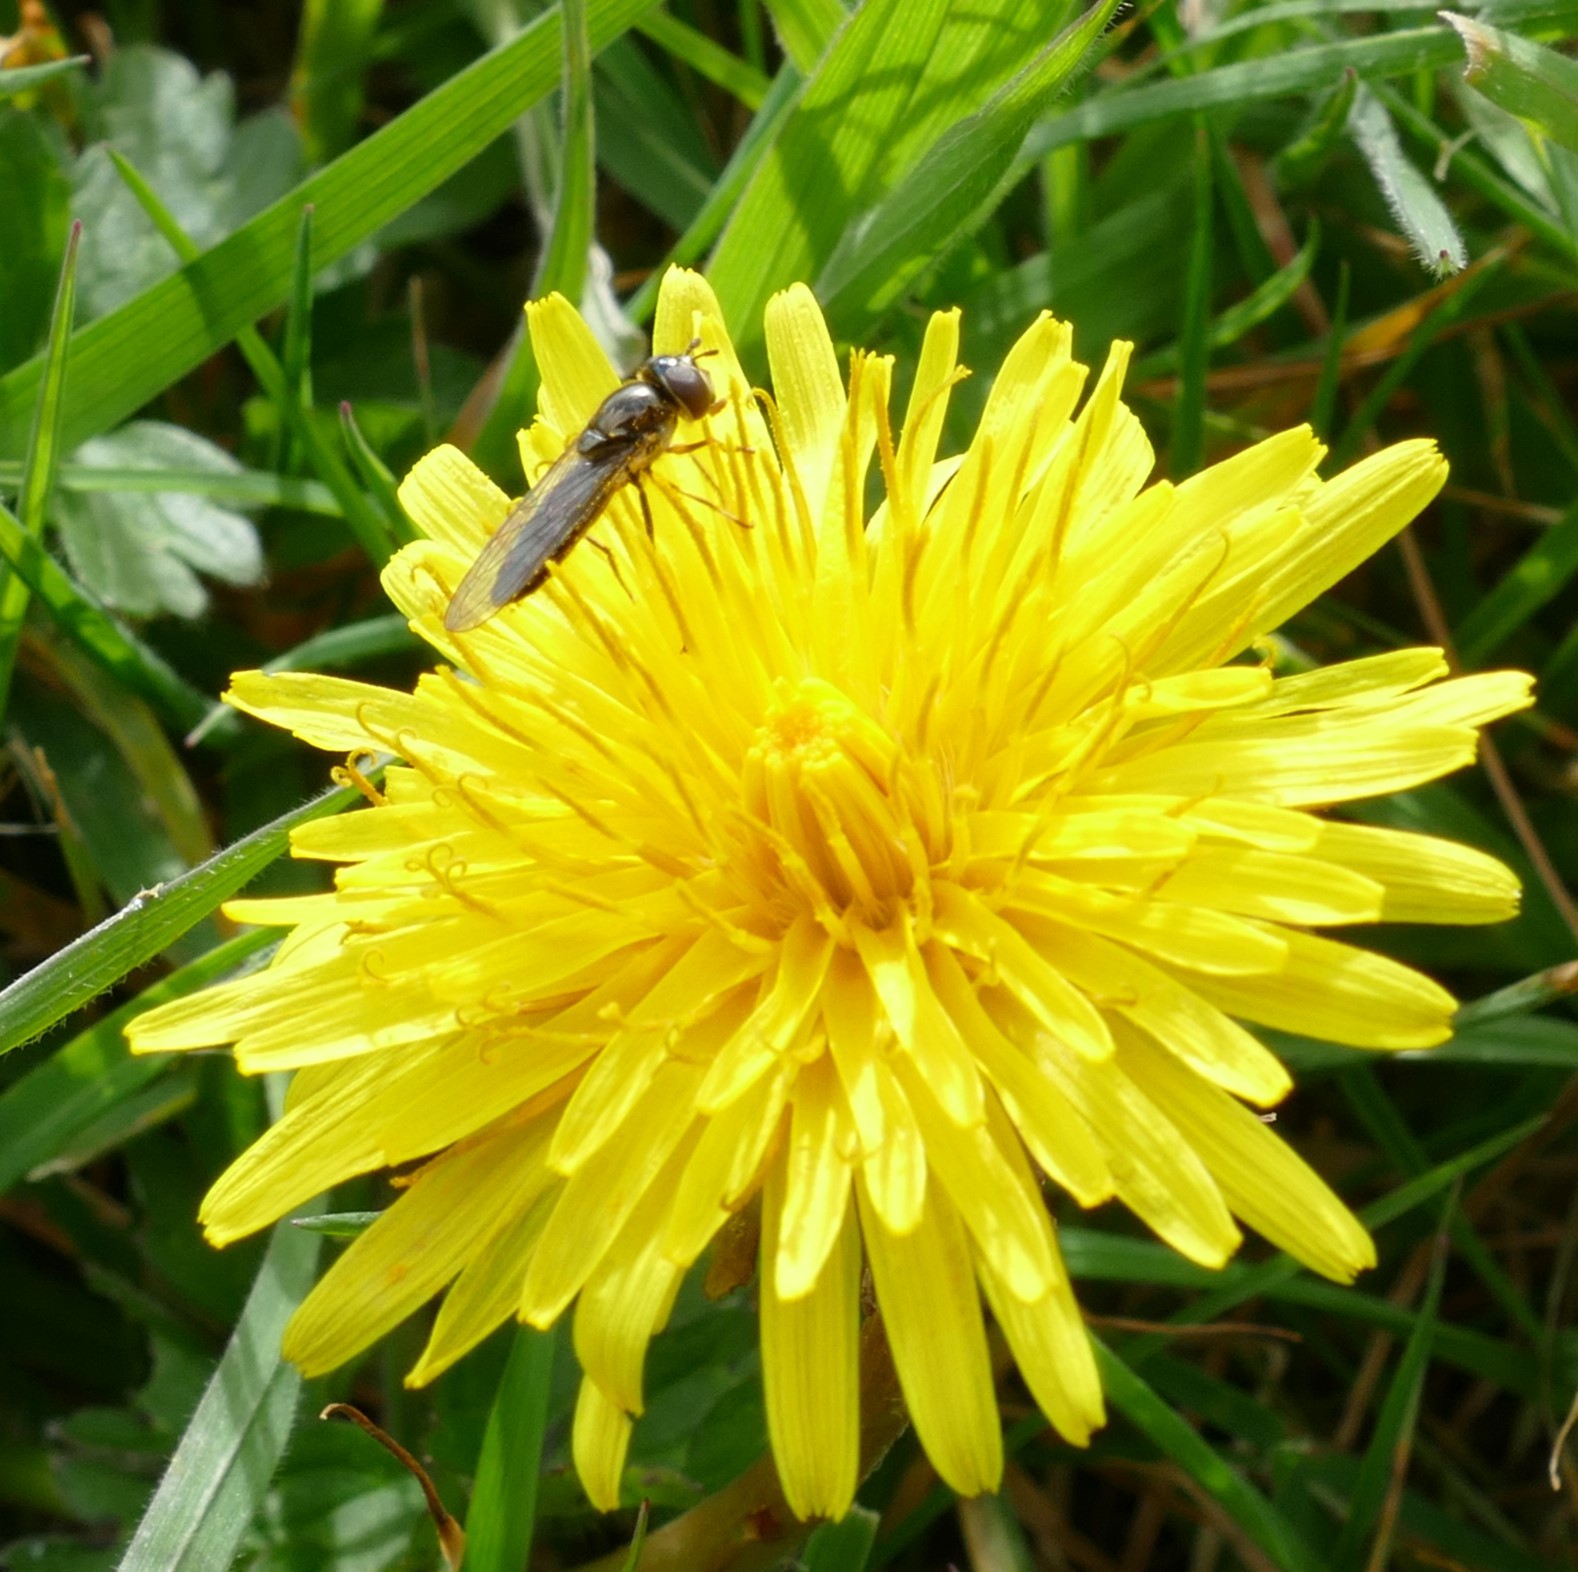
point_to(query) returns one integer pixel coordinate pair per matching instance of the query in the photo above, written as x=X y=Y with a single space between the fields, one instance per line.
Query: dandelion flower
x=875 y=869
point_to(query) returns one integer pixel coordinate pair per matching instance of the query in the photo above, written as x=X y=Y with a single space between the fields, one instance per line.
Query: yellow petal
x=451 y=501
x=817 y=1167
x=1050 y=1125
x=996 y=1200
x=1061 y=1008
x=1156 y=1172
x=723 y=1165
x=598 y=1198
x=811 y=1367
x=928 y=405
x=896 y=1172
x=1339 y=993
x=576 y=374
x=1349 y=518
x=1423 y=878
x=1278 y=888
x=486 y=1292
x=1047 y=1335
x=599 y=1442
x=926 y=1291
x=809 y=390
x=921 y=1025
x=678 y=1004
x=456 y=1204
x=1263 y=1178
x=626 y=1301
x=1172 y=1011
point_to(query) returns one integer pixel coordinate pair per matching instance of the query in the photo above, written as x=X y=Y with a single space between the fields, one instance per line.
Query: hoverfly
x=632 y=426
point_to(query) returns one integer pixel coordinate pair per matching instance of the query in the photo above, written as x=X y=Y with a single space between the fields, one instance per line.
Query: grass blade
x=46 y=1109
x=1367 y=1530
x=126 y=357
x=1541 y=574
x=1176 y=1439
x=146 y=927
x=1194 y=342
x=326 y=82
x=706 y=58
x=296 y=366
x=564 y=258
x=1324 y=406
x=87 y=624
x=949 y=190
x=753 y=147
x=380 y=537
x=1527 y=80
x=503 y=1513
x=16 y=80
x=39 y=466
x=227 y=1455
x=1245 y=81
x=805 y=28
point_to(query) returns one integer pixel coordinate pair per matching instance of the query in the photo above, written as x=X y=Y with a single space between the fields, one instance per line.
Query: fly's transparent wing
x=541 y=526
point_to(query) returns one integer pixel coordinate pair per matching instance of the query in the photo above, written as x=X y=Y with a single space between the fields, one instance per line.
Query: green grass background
x=306 y=233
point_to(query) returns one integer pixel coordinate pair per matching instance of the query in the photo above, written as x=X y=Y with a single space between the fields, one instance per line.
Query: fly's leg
x=613 y=562
x=670 y=489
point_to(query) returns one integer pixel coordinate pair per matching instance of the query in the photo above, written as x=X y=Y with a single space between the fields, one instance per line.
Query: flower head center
x=818 y=785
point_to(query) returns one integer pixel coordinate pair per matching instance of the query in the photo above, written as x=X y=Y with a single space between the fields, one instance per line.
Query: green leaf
x=84 y=621
x=17 y=80
x=179 y=129
x=1539 y=575
x=50 y=1107
x=119 y=779
x=125 y=358
x=503 y=1514
x=141 y=551
x=843 y=1546
x=101 y=957
x=1324 y=404
x=1265 y=300
x=43 y=453
x=647 y=139
x=1410 y=196
x=225 y=1460
x=950 y=189
x=1176 y=1439
x=1442 y=315
x=1528 y=993
x=1536 y=84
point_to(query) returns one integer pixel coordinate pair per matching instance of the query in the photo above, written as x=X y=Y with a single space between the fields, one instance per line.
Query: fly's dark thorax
x=634 y=424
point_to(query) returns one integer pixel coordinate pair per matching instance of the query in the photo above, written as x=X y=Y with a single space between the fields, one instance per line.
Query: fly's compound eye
x=685 y=382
